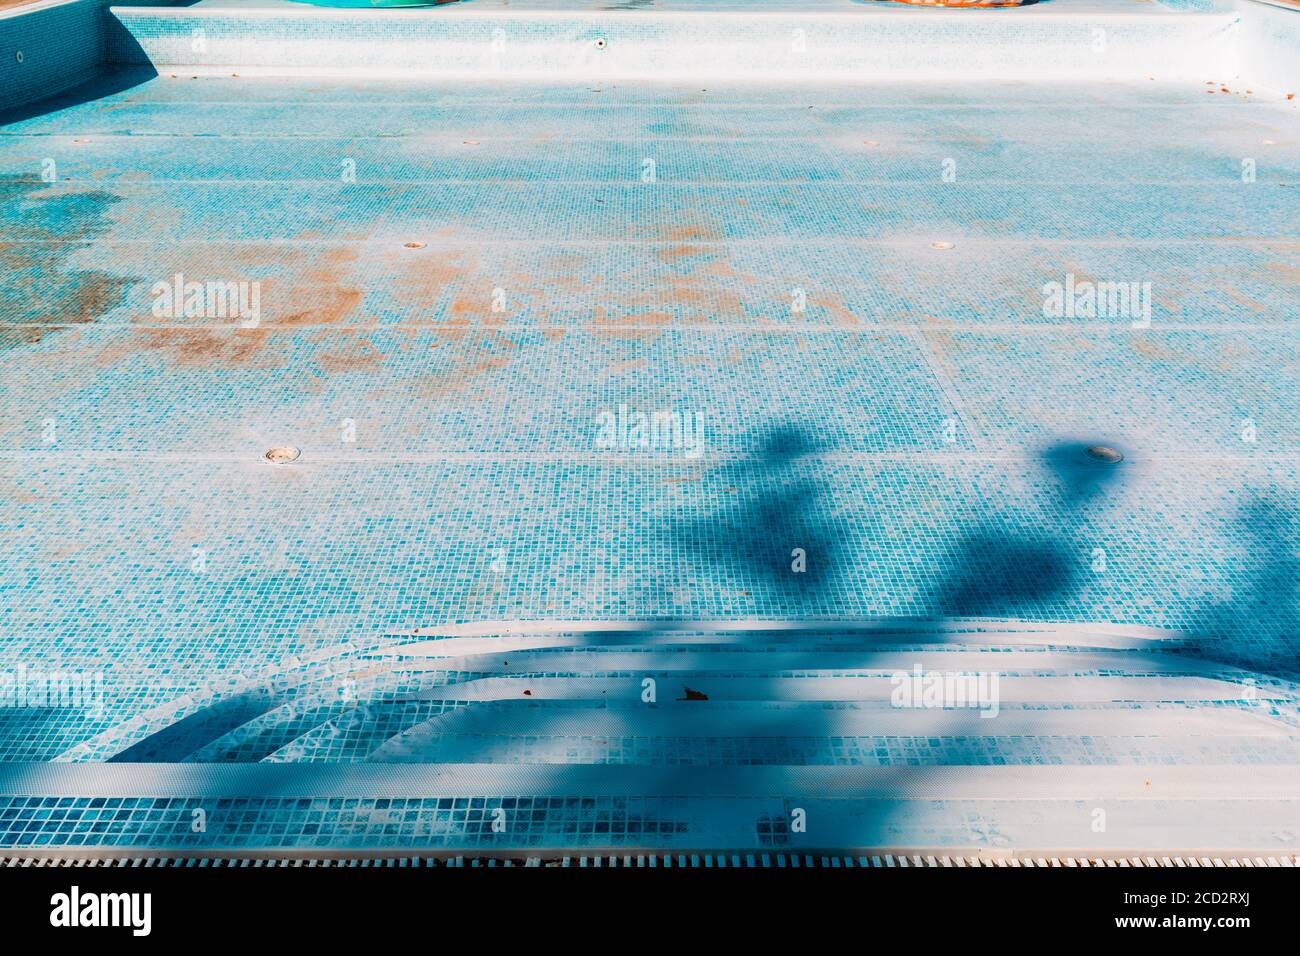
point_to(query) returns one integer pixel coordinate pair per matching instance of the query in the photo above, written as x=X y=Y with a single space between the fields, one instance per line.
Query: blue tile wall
x=60 y=46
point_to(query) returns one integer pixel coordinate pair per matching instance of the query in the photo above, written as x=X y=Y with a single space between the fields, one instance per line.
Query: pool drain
x=941 y=245
x=282 y=455
x=600 y=43
x=1105 y=454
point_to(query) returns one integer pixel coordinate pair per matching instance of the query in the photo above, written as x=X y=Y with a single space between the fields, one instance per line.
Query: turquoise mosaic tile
x=49 y=50
x=916 y=433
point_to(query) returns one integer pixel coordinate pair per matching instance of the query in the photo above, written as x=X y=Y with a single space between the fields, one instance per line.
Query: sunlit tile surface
x=467 y=294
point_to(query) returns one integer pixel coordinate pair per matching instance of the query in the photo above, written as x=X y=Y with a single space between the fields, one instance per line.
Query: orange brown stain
x=203 y=347
x=322 y=281
x=624 y=368
x=1157 y=352
x=327 y=279
x=614 y=327
x=10 y=491
x=1286 y=270
x=353 y=356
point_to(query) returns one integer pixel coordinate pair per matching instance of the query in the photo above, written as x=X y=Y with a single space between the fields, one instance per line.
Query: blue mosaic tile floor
x=910 y=418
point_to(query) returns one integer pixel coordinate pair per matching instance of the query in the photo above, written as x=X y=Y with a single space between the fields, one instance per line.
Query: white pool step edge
x=665 y=46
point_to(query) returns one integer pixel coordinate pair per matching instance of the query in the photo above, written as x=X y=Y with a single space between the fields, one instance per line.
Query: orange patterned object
x=965 y=3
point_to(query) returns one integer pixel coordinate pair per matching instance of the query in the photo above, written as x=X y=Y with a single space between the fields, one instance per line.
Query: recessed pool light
x=19 y=56
x=282 y=455
x=80 y=142
x=941 y=245
x=1105 y=454
x=469 y=142
x=1268 y=142
x=413 y=244
x=871 y=142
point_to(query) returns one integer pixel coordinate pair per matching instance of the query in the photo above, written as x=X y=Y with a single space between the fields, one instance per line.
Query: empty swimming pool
x=565 y=429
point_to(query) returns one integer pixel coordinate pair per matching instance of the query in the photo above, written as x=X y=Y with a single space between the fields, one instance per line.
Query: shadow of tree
x=1258 y=627
x=1005 y=567
x=779 y=519
x=995 y=575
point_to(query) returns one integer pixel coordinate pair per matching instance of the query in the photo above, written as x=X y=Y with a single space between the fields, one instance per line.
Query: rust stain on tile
x=1245 y=301
x=12 y=491
x=1285 y=270
x=1156 y=351
x=314 y=289
x=352 y=355
x=636 y=326
x=201 y=347
x=337 y=298
x=697 y=286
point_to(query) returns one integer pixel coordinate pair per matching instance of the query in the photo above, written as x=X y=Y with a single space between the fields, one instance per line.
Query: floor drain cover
x=282 y=455
x=1102 y=453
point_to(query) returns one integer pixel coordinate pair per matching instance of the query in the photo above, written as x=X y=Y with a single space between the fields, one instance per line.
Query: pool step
x=965 y=810
x=511 y=735
x=414 y=700
x=853 y=44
